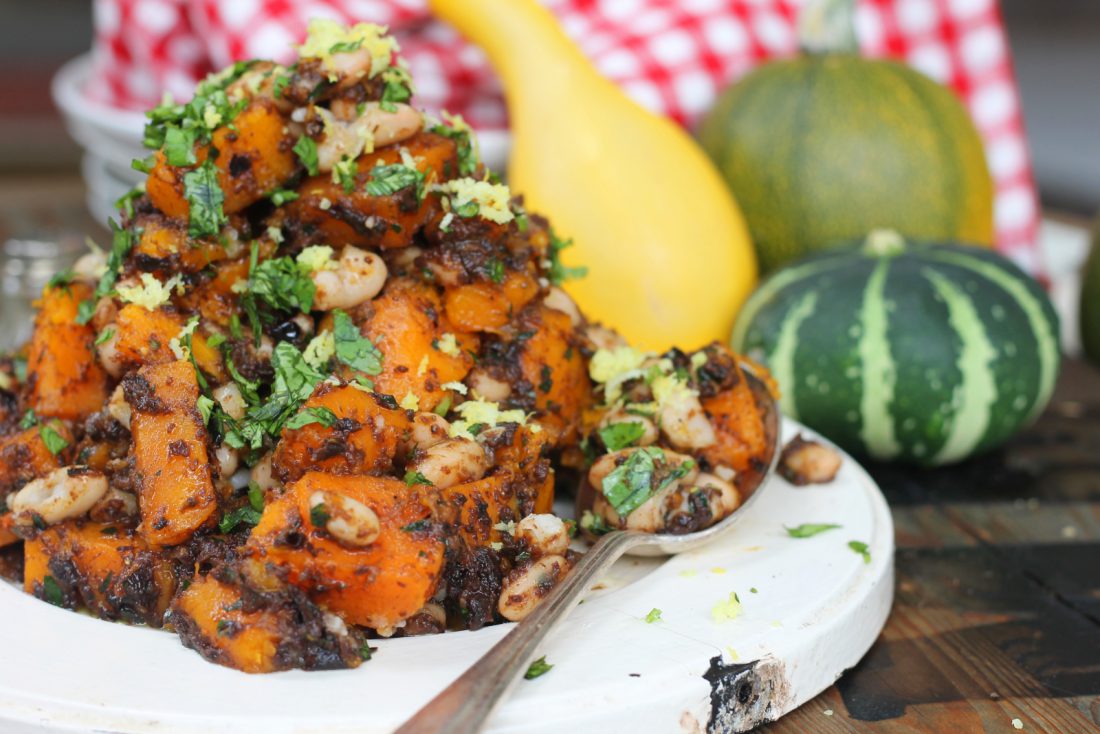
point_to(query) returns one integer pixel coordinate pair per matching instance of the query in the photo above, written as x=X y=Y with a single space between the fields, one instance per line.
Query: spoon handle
x=464 y=706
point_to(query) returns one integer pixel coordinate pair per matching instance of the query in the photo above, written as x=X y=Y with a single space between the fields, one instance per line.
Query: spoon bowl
x=465 y=705
x=749 y=484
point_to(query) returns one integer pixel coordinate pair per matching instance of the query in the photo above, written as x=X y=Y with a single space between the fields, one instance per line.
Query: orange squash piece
x=738 y=426
x=421 y=350
x=24 y=456
x=227 y=634
x=176 y=491
x=65 y=380
x=555 y=368
x=364 y=439
x=255 y=157
x=378 y=585
x=484 y=306
x=143 y=336
x=357 y=218
x=104 y=568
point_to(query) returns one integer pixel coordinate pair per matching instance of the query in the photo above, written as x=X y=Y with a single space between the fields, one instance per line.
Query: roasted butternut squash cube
x=176 y=492
x=64 y=379
x=377 y=585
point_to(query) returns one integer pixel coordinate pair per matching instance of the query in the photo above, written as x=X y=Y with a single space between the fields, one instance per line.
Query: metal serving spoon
x=464 y=706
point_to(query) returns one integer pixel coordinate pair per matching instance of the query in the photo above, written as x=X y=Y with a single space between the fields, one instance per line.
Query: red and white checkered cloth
x=673 y=56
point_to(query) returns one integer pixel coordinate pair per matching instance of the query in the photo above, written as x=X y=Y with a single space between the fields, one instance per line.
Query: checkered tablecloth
x=673 y=56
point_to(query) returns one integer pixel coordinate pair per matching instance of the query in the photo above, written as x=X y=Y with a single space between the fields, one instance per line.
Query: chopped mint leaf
x=414 y=477
x=308 y=416
x=352 y=348
x=861 y=548
x=205 y=198
x=537 y=668
x=616 y=436
x=54 y=441
x=387 y=180
x=246 y=514
x=306 y=149
x=809 y=530
x=559 y=273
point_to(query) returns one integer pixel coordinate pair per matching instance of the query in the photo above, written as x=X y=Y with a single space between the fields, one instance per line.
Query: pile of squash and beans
x=321 y=384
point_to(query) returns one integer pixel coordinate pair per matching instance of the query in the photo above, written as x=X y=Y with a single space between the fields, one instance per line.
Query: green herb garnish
x=318 y=515
x=352 y=348
x=53 y=440
x=633 y=482
x=861 y=548
x=809 y=530
x=414 y=477
x=246 y=514
x=537 y=668
x=387 y=180
x=653 y=616
x=616 y=436
x=52 y=592
x=559 y=273
x=205 y=198
x=306 y=149
x=308 y=416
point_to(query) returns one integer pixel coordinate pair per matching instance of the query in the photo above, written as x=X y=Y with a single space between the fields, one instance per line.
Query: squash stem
x=828 y=26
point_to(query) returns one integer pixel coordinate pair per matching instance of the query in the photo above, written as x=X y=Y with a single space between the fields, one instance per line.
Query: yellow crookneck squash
x=667 y=250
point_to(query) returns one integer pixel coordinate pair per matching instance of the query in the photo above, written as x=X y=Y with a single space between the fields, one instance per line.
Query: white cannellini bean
x=722 y=495
x=350 y=522
x=118 y=408
x=619 y=415
x=228 y=460
x=358 y=277
x=488 y=387
x=436 y=612
x=376 y=126
x=90 y=266
x=351 y=65
x=545 y=534
x=602 y=337
x=266 y=348
x=559 y=300
x=108 y=353
x=404 y=256
x=305 y=323
x=113 y=504
x=685 y=423
x=63 y=494
x=428 y=429
x=525 y=587
x=262 y=473
x=452 y=461
x=230 y=398
x=608 y=462
x=334 y=624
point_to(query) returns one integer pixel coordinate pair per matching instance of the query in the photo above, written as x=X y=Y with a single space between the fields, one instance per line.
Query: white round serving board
x=816 y=609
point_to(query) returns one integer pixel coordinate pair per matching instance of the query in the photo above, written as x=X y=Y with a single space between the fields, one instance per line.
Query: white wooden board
x=816 y=608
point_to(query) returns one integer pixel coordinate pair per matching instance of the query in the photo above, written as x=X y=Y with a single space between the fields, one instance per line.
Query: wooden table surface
x=996 y=623
x=996 y=620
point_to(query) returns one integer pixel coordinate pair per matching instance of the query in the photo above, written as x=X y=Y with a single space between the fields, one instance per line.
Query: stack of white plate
x=111 y=139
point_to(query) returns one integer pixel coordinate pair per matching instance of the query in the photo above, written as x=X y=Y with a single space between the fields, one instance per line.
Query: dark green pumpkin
x=920 y=353
x=823 y=148
x=1090 y=301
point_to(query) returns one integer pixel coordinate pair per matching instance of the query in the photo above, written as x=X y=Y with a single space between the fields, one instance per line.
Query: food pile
x=317 y=388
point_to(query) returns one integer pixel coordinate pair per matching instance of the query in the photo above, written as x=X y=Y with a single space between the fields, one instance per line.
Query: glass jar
x=26 y=265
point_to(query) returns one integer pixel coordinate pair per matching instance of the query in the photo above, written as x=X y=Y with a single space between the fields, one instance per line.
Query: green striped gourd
x=822 y=148
x=901 y=351
x=1090 y=300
